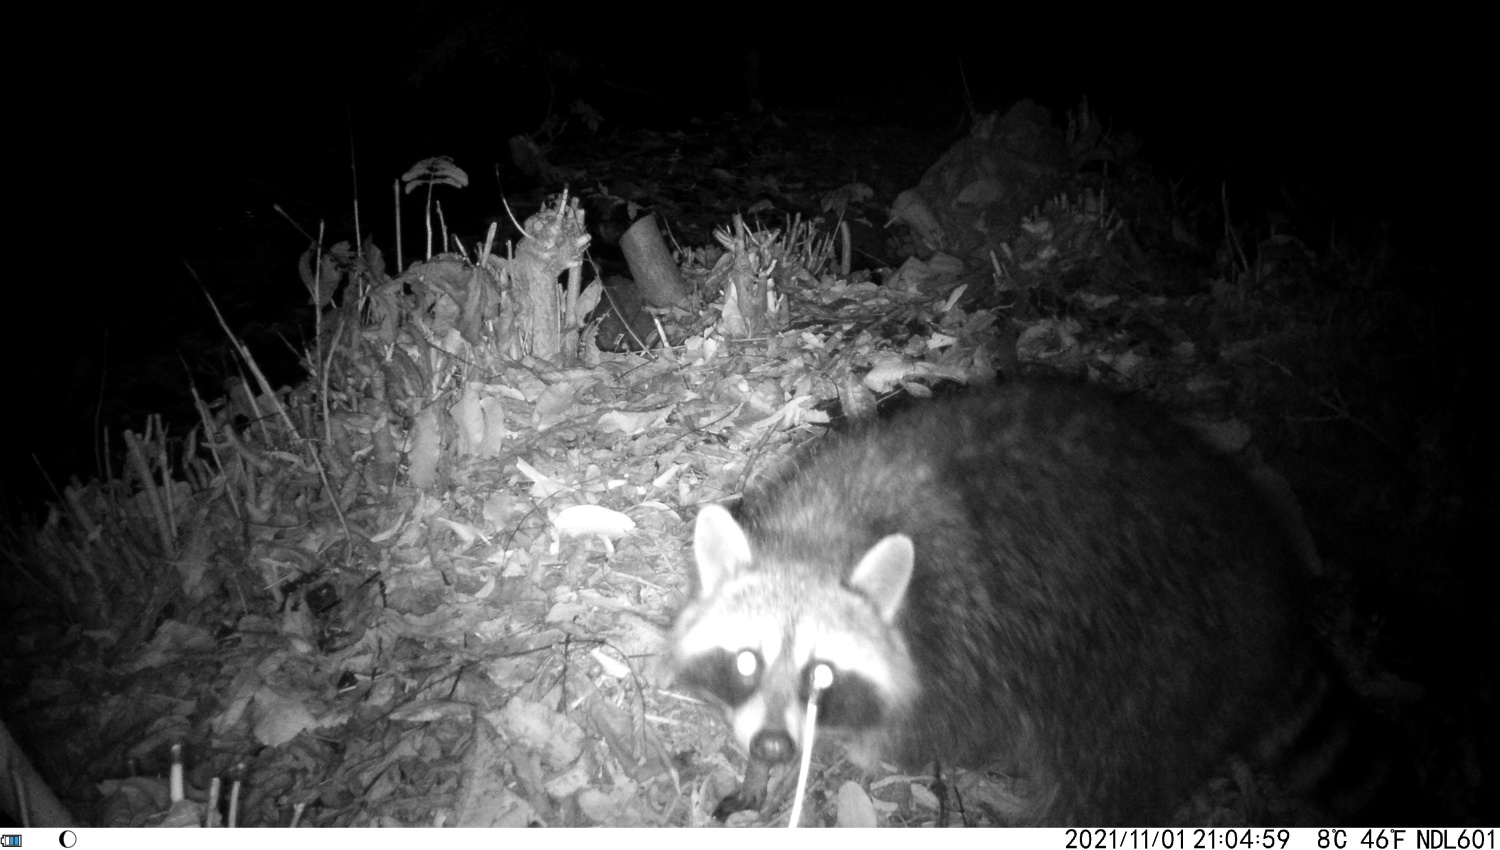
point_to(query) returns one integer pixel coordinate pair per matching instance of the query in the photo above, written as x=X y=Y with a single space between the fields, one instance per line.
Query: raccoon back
x=1096 y=597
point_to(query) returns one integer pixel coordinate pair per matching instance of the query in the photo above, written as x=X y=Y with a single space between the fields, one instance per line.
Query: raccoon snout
x=773 y=746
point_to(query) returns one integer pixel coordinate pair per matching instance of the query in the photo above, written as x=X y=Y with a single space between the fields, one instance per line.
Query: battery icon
x=10 y=841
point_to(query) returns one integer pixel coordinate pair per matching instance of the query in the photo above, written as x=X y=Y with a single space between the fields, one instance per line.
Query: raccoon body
x=1035 y=576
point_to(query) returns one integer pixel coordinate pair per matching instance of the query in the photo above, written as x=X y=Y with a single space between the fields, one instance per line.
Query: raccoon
x=1038 y=576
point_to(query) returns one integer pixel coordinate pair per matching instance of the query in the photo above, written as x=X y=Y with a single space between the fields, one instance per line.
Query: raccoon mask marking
x=751 y=637
x=1033 y=574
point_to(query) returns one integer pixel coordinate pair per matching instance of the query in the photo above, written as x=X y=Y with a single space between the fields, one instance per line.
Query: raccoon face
x=754 y=632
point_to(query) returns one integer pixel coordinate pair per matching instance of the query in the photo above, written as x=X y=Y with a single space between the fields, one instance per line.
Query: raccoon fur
x=1037 y=576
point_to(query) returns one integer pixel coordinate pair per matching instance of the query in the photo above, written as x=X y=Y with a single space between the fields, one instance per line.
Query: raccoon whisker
x=822 y=679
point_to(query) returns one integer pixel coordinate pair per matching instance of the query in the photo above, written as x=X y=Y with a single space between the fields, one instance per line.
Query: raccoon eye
x=851 y=701
x=747 y=664
x=731 y=677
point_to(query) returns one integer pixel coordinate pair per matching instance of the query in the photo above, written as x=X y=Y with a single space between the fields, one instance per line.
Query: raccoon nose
x=773 y=746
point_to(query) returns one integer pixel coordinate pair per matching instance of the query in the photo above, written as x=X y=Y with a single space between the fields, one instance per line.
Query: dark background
x=153 y=140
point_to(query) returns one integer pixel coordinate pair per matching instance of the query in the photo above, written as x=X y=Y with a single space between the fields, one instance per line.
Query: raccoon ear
x=883 y=573
x=719 y=547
